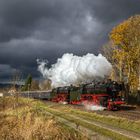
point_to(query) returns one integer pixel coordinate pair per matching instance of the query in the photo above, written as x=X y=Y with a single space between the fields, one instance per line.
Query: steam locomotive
x=106 y=94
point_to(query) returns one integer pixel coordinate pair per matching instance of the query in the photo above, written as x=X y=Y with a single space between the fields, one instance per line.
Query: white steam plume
x=72 y=69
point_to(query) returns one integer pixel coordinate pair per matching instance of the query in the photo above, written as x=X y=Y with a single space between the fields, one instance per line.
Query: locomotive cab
x=115 y=100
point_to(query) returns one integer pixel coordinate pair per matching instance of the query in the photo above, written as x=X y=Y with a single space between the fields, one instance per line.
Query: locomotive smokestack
x=72 y=69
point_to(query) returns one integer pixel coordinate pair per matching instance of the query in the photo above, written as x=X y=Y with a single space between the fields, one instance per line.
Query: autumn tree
x=35 y=85
x=126 y=50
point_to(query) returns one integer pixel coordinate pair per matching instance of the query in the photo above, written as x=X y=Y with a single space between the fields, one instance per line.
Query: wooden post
x=138 y=95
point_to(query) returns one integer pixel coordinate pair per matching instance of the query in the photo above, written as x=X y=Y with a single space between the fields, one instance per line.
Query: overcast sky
x=47 y=29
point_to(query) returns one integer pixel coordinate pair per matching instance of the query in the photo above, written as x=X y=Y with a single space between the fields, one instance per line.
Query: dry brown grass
x=28 y=127
x=28 y=123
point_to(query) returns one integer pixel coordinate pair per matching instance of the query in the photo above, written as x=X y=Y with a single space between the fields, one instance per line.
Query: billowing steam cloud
x=72 y=69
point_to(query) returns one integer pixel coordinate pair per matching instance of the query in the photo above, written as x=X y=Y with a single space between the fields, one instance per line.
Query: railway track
x=124 y=114
x=129 y=114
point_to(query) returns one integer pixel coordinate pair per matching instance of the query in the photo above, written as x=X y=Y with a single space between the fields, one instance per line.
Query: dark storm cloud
x=18 y=18
x=31 y=29
x=113 y=10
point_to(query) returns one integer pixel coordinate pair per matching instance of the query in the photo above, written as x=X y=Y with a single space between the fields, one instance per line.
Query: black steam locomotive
x=106 y=94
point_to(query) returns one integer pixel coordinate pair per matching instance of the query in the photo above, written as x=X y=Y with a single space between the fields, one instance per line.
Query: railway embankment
x=113 y=127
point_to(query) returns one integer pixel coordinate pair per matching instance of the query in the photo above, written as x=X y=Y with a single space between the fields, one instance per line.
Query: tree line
x=123 y=51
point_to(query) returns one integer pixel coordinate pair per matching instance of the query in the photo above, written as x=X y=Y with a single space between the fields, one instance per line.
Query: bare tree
x=107 y=51
x=17 y=80
x=45 y=85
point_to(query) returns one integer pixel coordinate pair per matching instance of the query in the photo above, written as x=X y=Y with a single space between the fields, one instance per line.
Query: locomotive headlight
x=122 y=99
